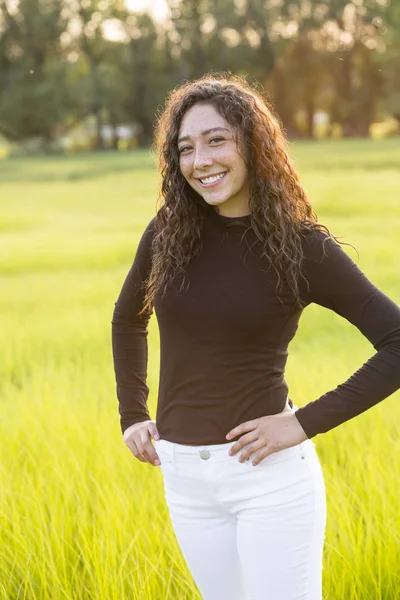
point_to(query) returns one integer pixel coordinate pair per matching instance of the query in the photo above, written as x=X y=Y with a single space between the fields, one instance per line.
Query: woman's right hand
x=138 y=439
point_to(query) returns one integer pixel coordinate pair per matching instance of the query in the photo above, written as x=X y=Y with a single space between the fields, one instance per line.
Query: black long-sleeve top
x=224 y=340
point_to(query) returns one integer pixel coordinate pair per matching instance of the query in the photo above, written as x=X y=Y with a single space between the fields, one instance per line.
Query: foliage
x=59 y=62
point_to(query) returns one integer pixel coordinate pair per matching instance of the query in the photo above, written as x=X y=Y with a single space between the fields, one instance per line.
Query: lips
x=211 y=180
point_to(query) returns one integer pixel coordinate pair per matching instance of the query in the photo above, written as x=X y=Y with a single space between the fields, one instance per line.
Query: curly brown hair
x=280 y=210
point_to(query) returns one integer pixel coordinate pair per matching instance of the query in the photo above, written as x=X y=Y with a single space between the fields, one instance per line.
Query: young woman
x=229 y=262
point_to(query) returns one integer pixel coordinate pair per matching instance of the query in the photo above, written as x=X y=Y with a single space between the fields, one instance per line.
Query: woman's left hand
x=267 y=435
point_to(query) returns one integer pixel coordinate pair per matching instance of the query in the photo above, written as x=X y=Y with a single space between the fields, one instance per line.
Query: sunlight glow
x=157 y=8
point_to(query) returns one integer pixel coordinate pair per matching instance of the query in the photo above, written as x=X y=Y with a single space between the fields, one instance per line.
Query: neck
x=232 y=213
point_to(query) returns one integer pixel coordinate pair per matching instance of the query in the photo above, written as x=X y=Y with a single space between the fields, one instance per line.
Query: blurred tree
x=141 y=75
x=34 y=98
x=89 y=17
x=58 y=63
x=298 y=75
x=389 y=60
x=304 y=71
x=220 y=35
x=351 y=39
x=112 y=73
x=255 y=32
x=330 y=58
x=186 y=37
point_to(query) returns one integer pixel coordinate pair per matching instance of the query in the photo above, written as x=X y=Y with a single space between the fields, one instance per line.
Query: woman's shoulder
x=148 y=233
x=327 y=268
x=144 y=246
x=317 y=242
x=151 y=226
x=157 y=222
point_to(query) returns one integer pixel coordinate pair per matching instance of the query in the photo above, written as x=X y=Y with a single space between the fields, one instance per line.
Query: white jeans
x=247 y=533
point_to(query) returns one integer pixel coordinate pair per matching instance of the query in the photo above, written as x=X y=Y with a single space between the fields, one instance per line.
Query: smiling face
x=210 y=161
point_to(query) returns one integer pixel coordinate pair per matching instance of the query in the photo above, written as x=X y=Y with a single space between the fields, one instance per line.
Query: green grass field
x=81 y=518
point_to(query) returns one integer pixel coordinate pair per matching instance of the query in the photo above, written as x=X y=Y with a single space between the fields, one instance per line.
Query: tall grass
x=80 y=518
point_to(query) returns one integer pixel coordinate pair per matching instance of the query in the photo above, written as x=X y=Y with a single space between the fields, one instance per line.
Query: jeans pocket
x=294 y=453
x=165 y=455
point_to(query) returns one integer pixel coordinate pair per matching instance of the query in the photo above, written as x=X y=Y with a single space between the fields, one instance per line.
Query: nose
x=202 y=159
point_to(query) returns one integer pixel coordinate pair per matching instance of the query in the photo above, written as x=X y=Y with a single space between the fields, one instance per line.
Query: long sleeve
x=336 y=282
x=129 y=338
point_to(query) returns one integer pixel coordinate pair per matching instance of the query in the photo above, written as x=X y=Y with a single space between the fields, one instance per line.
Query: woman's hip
x=207 y=476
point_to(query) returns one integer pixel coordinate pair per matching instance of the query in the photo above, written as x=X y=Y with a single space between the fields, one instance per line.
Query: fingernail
x=157 y=462
x=228 y=436
x=156 y=436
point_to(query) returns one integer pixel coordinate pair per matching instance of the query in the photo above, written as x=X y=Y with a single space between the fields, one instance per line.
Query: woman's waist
x=174 y=453
x=198 y=425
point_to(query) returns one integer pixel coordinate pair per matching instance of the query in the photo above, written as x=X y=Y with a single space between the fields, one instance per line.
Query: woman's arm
x=129 y=338
x=337 y=283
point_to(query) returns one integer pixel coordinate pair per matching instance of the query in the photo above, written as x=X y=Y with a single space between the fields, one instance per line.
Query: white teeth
x=212 y=179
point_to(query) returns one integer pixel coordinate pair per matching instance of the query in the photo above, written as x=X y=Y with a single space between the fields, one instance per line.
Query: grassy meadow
x=80 y=517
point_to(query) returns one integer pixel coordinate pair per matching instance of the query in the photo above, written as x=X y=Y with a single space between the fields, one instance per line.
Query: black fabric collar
x=222 y=221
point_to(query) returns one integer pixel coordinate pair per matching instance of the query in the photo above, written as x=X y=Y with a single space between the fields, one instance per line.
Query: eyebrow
x=206 y=132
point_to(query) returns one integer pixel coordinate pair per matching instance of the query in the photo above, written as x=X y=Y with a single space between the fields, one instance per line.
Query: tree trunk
x=310 y=117
x=96 y=104
x=281 y=104
x=115 y=136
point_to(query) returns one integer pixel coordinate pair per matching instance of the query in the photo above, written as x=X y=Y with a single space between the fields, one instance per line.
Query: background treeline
x=63 y=62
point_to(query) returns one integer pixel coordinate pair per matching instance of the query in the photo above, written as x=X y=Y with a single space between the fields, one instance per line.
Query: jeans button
x=204 y=454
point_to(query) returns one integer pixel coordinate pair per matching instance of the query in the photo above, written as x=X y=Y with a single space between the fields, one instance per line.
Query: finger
x=152 y=429
x=249 y=450
x=140 y=444
x=242 y=428
x=152 y=454
x=243 y=441
x=143 y=452
x=146 y=448
x=128 y=433
x=266 y=451
x=134 y=449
